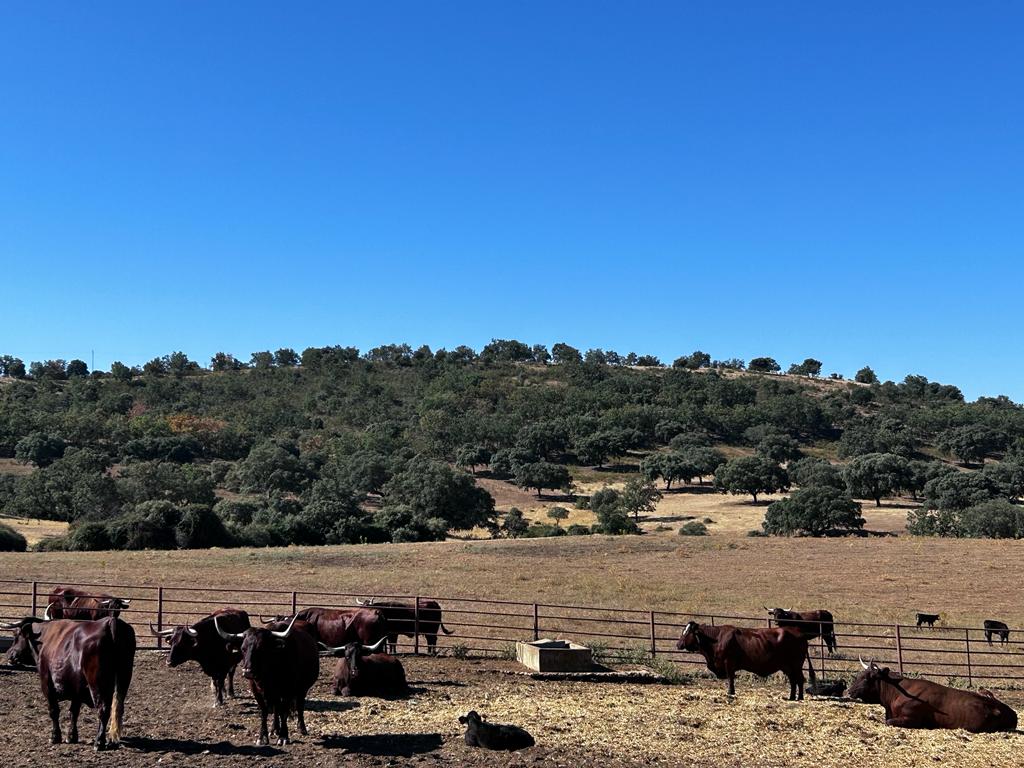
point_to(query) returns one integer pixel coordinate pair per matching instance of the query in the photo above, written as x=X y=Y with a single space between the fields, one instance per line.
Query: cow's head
x=471 y=719
x=690 y=639
x=265 y=620
x=258 y=646
x=868 y=684
x=183 y=642
x=24 y=651
x=112 y=606
x=779 y=613
x=353 y=654
x=367 y=602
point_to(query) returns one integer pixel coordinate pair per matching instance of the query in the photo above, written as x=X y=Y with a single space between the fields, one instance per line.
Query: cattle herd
x=84 y=653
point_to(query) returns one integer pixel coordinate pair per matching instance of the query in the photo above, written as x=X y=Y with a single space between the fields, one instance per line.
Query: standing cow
x=728 y=649
x=927 y=618
x=73 y=603
x=83 y=662
x=201 y=643
x=998 y=629
x=341 y=626
x=810 y=623
x=402 y=620
x=281 y=666
x=362 y=671
x=917 y=703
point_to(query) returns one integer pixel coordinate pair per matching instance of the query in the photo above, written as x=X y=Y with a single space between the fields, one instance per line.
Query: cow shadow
x=437 y=684
x=331 y=705
x=386 y=744
x=181 y=746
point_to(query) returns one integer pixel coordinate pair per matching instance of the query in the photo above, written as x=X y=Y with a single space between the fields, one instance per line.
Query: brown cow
x=341 y=626
x=281 y=666
x=84 y=662
x=201 y=643
x=73 y=603
x=810 y=623
x=402 y=620
x=916 y=703
x=764 y=652
x=362 y=671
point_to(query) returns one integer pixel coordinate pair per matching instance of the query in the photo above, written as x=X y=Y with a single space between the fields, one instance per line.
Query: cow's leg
x=218 y=691
x=231 y=682
x=300 y=713
x=392 y=643
x=264 y=738
x=906 y=722
x=103 y=711
x=54 y=707
x=431 y=644
x=282 y=733
x=73 y=710
x=731 y=674
x=988 y=637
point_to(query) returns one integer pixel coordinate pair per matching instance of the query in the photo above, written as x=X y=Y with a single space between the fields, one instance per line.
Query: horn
x=160 y=632
x=862 y=663
x=227 y=635
x=376 y=647
x=46 y=613
x=328 y=650
x=264 y=620
x=125 y=601
x=191 y=632
x=287 y=631
x=360 y=602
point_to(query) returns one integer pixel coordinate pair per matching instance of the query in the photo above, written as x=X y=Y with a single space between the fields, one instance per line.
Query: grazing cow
x=401 y=619
x=764 y=652
x=916 y=703
x=362 y=671
x=84 y=662
x=201 y=643
x=341 y=626
x=72 y=603
x=480 y=733
x=810 y=623
x=927 y=618
x=993 y=627
x=281 y=666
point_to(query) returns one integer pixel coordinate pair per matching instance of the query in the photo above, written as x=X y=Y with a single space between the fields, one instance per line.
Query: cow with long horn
x=404 y=619
x=74 y=603
x=281 y=665
x=917 y=703
x=363 y=671
x=200 y=642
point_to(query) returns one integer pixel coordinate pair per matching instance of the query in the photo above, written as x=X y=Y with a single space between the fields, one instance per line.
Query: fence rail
x=489 y=626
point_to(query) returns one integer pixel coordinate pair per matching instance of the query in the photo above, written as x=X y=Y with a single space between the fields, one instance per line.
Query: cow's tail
x=810 y=667
x=117 y=705
x=445 y=629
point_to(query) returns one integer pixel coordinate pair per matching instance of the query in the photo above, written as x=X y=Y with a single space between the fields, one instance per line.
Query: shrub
x=11 y=540
x=577 y=530
x=543 y=530
x=814 y=511
x=52 y=544
x=693 y=529
x=89 y=536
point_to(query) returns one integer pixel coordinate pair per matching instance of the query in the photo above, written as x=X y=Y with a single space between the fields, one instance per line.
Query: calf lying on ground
x=827 y=688
x=480 y=733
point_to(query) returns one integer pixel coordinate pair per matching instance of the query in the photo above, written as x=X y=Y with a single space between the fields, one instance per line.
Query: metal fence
x=492 y=627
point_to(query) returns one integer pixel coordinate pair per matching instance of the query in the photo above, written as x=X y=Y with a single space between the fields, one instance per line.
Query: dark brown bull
x=810 y=623
x=362 y=671
x=402 y=620
x=73 y=603
x=998 y=629
x=281 y=666
x=201 y=643
x=83 y=662
x=341 y=626
x=916 y=703
x=727 y=650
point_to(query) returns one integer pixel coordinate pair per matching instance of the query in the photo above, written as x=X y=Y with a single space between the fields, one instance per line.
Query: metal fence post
x=899 y=650
x=416 y=627
x=970 y=677
x=536 y=622
x=35 y=597
x=654 y=638
x=821 y=653
x=295 y=603
x=159 y=617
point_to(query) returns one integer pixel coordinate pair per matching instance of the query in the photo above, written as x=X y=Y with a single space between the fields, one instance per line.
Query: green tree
x=763 y=365
x=779 y=448
x=812 y=471
x=515 y=524
x=120 y=371
x=972 y=443
x=77 y=369
x=639 y=496
x=540 y=354
x=434 y=490
x=541 y=475
x=958 y=491
x=222 y=361
x=472 y=456
x=563 y=353
x=813 y=511
x=11 y=540
x=506 y=351
x=809 y=367
x=875 y=475
x=272 y=466
x=262 y=360
x=40 y=449
x=610 y=511
x=751 y=475
x=866 y=376
x=558 y=514
x=286 y=357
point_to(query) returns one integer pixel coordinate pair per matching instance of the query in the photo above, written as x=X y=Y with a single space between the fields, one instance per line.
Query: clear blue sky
x=843 y=181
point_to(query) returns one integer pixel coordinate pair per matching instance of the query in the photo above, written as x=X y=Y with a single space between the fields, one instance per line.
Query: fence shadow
x=386 y=744
x=181 y=746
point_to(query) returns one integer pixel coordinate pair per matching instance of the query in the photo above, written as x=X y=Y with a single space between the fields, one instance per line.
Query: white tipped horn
x=160 y=632
x=360 y=601
x=376 y=647
x=287 y=631
x=191 y=632
x=46 y=613
x=328 y=650
x=862 y=663
x=226 y=635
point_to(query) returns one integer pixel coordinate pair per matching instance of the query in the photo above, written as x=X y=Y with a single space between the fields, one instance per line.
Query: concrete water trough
x=554 y=656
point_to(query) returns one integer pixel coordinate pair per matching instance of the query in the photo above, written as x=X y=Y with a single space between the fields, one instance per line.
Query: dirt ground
x=169 y=721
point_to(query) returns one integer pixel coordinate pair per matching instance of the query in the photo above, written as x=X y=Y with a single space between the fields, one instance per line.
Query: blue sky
x=787 y=179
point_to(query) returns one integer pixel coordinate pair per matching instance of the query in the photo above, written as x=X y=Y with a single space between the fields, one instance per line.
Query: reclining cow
x=917 y=703
x=362 y=671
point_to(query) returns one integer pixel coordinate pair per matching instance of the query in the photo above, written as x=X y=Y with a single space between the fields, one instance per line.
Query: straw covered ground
x=170 y=721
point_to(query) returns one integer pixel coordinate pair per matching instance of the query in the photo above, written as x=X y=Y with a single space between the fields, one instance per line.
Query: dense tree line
x=334 y=445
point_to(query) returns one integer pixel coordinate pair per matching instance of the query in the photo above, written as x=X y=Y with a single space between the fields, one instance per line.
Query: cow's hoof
x=72 y=738
x=303 y=731
x=262 y=741
x=99 y=746
x=55 y=738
